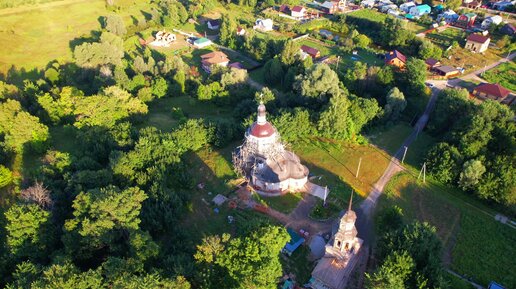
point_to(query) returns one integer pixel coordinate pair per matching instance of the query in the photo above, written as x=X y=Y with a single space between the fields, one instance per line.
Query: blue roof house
x=294 y=243
x=420 y=10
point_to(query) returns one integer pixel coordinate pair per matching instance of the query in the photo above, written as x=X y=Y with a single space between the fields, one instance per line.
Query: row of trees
x=476 y=148
x=408 y=254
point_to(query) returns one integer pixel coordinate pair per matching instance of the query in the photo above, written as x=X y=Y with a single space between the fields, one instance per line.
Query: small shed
x=294 y=243
x=219 y=200
x=447 y=71
x=202 y=42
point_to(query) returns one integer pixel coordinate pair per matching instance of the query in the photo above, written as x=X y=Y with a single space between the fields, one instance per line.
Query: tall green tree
x=228 y=29
x=101 y=219
x=395 y=104
x=471 y=174
x=28 y=231
x=19 y=128
x=115 y=24
x=318 y=82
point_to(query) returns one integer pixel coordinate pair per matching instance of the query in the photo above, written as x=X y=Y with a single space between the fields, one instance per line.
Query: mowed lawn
x=475 y=245
x=335 y=164
x=32 y=38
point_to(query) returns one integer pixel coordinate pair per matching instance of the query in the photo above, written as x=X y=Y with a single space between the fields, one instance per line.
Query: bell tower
x=347 y=233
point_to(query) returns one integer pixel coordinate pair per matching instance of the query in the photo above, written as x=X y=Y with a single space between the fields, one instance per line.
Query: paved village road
x=365 y=211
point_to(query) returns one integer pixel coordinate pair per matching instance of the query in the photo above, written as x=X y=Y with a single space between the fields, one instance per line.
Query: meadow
x=31 y=38
x=475 y=245
x=504 y=74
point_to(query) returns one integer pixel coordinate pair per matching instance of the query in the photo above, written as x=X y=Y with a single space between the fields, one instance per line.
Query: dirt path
x=27 y=8
x=475 y=75
x=365 y=211
x=465 y=279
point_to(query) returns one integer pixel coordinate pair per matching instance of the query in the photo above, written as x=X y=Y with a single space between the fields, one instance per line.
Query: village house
x=395 y=58
x=466 y=20
x=420 y=10
x=446 y=71
x=163 y=39
x=508 y=29
x=432 y=63
x=503 y=5
x=405 y=7
x=491 y=91
x=298 y=12
x=310 y=51
x=202 y=42
x=332 y=7
x=390 y=7
x=472 y=4
x=214 y=24
x=240 y=31
x=236 y=65
x=263 y=24
x=448 y=16
x=367 y=3
x=214 y=58
x=477 y=43
x=285 y=9
x=493 y=20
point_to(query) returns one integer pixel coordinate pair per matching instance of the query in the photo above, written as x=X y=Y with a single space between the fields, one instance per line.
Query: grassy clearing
x=504 y=74
x=446 y=37
x=335 y=165
x=324 y=49
x=475 y=245
x=33 y=37
x=160 y=111
x=391 y=138
x=285 y=204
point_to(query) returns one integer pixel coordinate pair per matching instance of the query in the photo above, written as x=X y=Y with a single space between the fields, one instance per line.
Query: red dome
x=262 y=130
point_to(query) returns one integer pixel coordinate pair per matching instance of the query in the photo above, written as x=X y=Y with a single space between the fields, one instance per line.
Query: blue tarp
x=494 y=285
x=295 y=242
x=288 y=285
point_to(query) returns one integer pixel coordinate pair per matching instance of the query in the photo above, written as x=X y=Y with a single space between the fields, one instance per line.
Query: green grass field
x=32 y=38
x=379 y=17
x=285 y=204
x=336 y=163
x=504 y=74
x=475 y=245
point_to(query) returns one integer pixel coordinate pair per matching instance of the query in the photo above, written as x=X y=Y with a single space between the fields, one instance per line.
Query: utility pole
x=358 y=168
x=422 y=171
x=404 y=154
x=325 y=195
x=485 y=66
x=338 y=60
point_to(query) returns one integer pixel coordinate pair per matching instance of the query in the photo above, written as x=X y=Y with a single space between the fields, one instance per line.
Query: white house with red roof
x=270 y=169
x=298 y=12
x=477 y=43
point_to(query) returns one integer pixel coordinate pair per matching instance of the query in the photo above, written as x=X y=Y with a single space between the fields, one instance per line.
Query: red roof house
x=298 y=12
x=314 y=53
x=491 y=90
x=395 y=58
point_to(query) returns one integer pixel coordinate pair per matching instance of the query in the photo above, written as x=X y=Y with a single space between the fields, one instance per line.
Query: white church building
x=262 y=158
